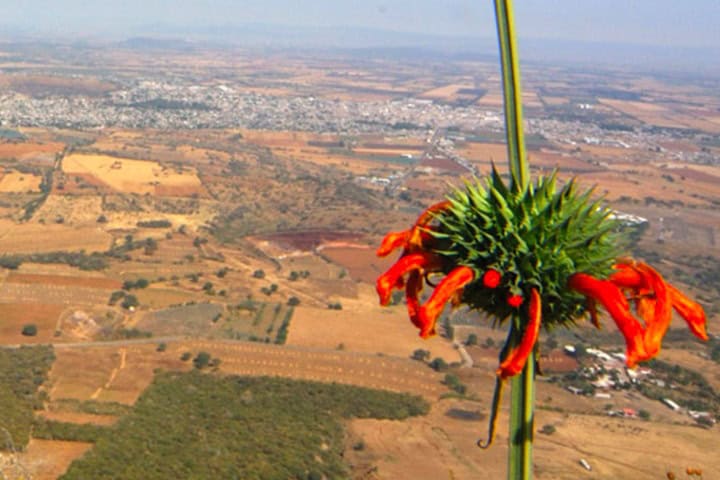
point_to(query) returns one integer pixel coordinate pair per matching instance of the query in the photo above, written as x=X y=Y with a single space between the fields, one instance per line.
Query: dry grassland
x=135 y=176
x=37 y=238
x=121 y=373
x=16 y=182
x=363 y=326
x=483 y=153
x=62 y=280
x=446 y=92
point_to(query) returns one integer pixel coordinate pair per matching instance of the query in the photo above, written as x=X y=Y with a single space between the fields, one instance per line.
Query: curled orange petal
x=655 y=309
x=448 y=286
x=393 y=277
x=627 y=276
x=515 y=361
x=610 y=296
x=690 y=311
x=392 y=241
x=413 y=287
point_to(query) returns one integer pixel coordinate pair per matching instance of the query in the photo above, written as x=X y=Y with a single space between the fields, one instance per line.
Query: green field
x=22 y=371
x=195 y=425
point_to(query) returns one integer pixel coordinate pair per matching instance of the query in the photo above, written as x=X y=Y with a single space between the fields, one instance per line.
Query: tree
x=644 y=414
x=438 y=364
x=201 y=360
x=472 y=339
x=293 y=302
x=421 y=355
x=130 y=301
x=259 y=273
x=29 y=330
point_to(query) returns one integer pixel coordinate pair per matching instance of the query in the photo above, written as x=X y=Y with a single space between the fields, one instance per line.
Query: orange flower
x=612 y=298
x=445 y=290
x=654 y=300
x=515 y=361
x=414 y=238
x=393 y=278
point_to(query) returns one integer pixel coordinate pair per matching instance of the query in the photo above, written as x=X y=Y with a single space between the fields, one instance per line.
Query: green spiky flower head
x=535 y=238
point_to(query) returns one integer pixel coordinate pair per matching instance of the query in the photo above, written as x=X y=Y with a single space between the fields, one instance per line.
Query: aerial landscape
x=188 y=237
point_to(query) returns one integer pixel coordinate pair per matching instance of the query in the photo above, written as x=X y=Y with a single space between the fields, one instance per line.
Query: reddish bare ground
x=93 y=282
x=48 y=459
x=12 y=149
x=78 y=417
x=13 y=316
x=361 y=263
x=310 y=239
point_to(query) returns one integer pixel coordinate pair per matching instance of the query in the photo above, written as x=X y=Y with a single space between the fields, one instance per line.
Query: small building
x=672 y=405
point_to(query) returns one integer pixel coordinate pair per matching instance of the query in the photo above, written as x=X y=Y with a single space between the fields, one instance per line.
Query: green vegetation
x=22 y=371
x=75 y=432
x=154 y=224
x=81 y=260
x=283 y=330
x=29 y=330
x=92 y=407
x=192 y=425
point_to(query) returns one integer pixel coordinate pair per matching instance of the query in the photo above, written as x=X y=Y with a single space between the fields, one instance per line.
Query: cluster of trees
x=192 y=425
x=22 y=372
x=81 y=260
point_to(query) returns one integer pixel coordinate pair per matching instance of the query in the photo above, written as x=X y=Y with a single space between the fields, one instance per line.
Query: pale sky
x=694 y=23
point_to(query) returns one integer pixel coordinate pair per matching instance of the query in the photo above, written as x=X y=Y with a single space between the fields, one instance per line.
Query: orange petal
x=626 y=276
x=517 y=358
x=393 y=277
x=610 y=296
x=429 y=213
x=655 y=310
x=429 y=313
x=413 y=287
x=392 y=241
x=690 y=311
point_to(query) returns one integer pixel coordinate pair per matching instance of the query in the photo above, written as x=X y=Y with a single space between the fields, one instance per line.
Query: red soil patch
x=693 y=174
x=92 y=282
x=361 y=263
x=14 y=315
x=309 y=239
x=13 y=149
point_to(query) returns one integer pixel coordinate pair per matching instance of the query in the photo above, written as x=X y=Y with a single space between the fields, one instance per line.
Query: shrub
x=29 y=330
x=548 y=429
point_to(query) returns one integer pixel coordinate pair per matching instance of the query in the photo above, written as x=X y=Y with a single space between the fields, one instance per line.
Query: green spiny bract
x=537 y=238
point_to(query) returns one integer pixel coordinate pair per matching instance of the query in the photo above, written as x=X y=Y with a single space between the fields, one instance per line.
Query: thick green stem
x=512 y=94
x=523 y=385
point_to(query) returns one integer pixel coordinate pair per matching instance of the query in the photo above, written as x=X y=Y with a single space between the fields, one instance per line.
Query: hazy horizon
x=648 y=34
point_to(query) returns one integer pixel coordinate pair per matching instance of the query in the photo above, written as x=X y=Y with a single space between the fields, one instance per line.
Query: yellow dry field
x=120 y=372
x=363 y=326
x=663 y=116
x=133 y=176
x=388 y=151
x=38 y=238
x=16 y=182
x=491 y=99
x=49 y=459
x=446 y=92
x=13 y=316
x=484 y=152
x=555 y=100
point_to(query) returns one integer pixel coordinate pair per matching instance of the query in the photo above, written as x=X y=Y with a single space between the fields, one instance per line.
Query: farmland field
x=135 y=176
x=35 y=238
